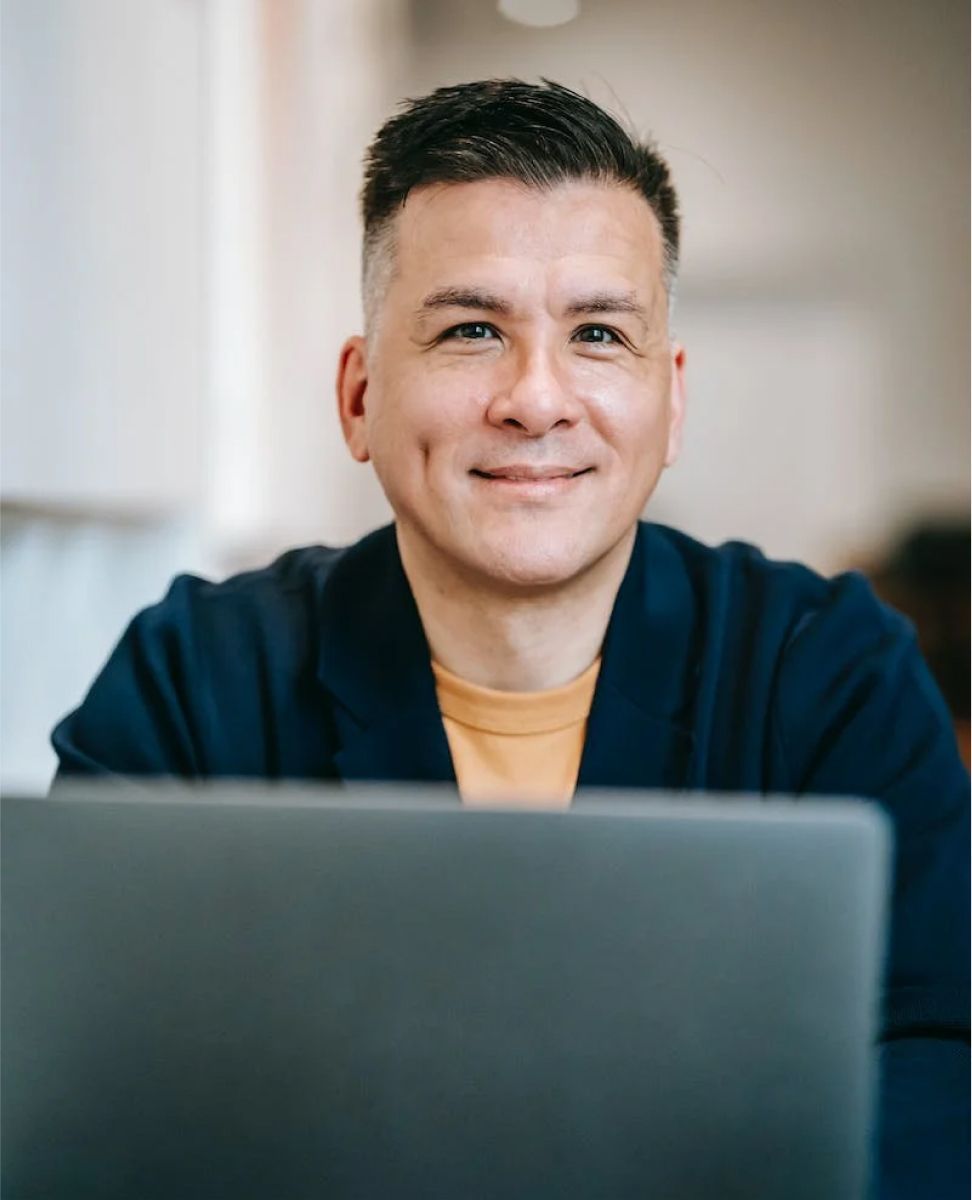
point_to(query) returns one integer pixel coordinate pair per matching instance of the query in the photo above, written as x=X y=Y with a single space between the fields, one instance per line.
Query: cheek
x=422 y=419
x=633 y=424
x=630 y=412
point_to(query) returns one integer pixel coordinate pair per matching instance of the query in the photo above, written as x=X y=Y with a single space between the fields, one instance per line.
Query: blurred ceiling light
x=542 y=14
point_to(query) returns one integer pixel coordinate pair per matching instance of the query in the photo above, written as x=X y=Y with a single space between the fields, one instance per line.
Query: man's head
x=517 y=392
x=540 y=135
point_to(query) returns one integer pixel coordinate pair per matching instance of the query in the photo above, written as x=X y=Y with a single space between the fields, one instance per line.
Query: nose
x=535 y=400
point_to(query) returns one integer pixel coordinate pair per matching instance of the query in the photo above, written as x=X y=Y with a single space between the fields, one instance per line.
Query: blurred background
x=180 y=266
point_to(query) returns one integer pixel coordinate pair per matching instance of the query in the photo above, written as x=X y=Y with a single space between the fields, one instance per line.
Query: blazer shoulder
x=279 y=596
x=737 y=581
x=207 y=657
x=297 y=571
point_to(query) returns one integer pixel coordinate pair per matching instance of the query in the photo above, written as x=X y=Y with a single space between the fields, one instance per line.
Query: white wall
x=180 y=268
x=297 y=87
x=103 y=341
x=102 y=254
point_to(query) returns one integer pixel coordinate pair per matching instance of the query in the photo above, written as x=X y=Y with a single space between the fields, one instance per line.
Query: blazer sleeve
x=859 y=715
x=141 y=714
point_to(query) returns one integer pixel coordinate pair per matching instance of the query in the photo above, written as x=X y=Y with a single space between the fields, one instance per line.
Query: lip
x=533 y=484
x=528 y=473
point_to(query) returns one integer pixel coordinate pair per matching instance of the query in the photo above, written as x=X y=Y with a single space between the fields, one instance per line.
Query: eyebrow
x=608 y=302
x=486 y=301
x=464 y=297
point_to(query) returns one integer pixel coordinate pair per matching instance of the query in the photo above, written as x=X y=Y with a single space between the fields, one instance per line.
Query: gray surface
x=286 y=997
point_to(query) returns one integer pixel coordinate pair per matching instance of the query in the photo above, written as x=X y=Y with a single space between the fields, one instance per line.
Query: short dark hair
x=540 y=134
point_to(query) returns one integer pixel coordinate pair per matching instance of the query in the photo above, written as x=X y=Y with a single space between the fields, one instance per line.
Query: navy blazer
x=721 y=670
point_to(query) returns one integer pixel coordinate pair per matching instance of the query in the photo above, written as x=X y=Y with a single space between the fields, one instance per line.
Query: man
x=517 y=629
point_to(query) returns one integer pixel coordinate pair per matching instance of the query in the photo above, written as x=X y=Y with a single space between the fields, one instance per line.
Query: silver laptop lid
x=254 y=992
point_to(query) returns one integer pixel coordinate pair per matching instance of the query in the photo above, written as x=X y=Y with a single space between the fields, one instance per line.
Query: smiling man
x=518 y=630
x=519 y=397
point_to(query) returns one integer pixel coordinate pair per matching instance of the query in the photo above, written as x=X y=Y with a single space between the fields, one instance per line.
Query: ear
x=676 y=404
x=352 y=386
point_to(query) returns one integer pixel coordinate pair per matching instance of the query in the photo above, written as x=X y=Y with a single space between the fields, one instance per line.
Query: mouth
x=528 y=475
x=522 y=484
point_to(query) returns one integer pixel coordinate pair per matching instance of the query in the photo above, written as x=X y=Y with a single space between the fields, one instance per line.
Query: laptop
x=281 y=993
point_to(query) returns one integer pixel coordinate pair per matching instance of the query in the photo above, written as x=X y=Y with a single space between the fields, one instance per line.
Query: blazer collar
x=637 y=734
x=374 y=660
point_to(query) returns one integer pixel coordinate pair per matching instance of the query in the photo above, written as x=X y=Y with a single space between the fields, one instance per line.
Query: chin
x=522 y=561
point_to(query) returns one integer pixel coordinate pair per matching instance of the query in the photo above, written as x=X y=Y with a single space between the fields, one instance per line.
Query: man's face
x=519 y=396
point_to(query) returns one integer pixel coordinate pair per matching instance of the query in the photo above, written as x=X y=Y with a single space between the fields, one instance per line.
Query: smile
x=525 y=474
x=531 y=483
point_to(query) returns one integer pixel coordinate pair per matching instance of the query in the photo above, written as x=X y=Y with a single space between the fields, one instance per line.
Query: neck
x=512 y=641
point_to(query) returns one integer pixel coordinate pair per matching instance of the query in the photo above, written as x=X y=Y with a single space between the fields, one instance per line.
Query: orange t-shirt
x=515 y=747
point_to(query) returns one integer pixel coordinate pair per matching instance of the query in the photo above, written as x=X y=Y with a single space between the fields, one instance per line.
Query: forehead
x=501 y=231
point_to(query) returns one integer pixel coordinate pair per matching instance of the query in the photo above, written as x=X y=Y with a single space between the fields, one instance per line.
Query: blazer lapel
x=374 y=660
x=637 y=736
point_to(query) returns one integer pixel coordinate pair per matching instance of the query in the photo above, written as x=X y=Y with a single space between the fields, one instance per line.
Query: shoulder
x=258 y=626
x=200 y=625
x=847 y=690
x=261 y=630
x=292 y=575
x=200 y=681
x=283 y=589
x=278 y=607
x=736 y=584
x=817 y=647
x=851 y=706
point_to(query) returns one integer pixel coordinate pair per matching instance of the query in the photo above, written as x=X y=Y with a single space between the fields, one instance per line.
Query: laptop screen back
x=270 y=993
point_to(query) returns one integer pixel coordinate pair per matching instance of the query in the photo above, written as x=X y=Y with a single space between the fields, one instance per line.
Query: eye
x=597 y=335
x=470 y=331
